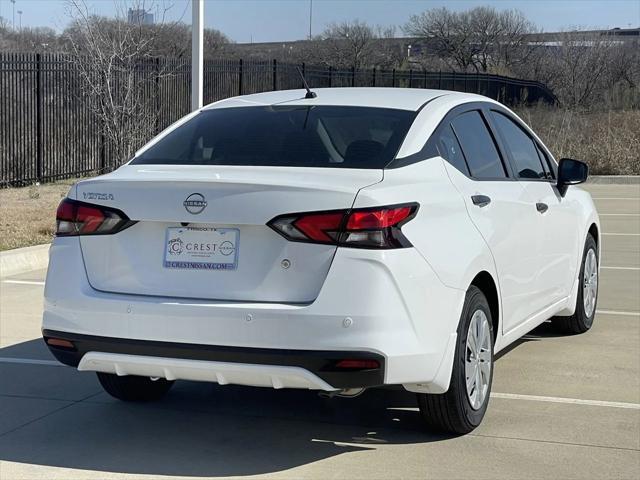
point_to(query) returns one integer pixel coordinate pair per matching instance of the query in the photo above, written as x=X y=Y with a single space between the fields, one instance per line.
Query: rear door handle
x=480 y=200
x=542 y=207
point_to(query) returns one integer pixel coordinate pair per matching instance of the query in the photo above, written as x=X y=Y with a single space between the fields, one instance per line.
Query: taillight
x=80 y=218
x=378 y=227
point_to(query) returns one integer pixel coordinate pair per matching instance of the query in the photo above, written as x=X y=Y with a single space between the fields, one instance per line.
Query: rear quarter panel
x=441 y=230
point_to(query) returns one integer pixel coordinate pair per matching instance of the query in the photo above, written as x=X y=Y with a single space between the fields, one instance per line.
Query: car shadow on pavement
x=198 y=429
x=542 y=331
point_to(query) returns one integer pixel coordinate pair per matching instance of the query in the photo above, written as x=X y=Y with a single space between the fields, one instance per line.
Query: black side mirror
x=571 y=172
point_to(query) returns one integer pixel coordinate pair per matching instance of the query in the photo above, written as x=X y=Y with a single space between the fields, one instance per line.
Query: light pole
x=197 y=57
x=20 y=17
x=13 y=22
x=310 y=16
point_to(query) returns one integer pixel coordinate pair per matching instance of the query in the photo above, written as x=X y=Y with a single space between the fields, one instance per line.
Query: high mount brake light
x=378 y=227
x=80 y=218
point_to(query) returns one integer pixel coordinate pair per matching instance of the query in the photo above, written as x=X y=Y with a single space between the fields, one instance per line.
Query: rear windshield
x=301 y=136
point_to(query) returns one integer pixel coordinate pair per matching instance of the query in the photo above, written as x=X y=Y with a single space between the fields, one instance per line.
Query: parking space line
x=623 y=234
x=619 y=214
x=31 y=361
x=619 y=312
x=616 y=198
x=573 y=401
x=621 y=268
x=24 y=282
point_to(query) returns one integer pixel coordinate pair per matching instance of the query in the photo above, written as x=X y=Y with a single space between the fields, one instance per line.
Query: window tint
x=523 y=149
x=450 y=150
x=300 y=136
x=478 y=146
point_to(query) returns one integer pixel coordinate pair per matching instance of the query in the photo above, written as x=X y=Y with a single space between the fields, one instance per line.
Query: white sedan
x=354 y=238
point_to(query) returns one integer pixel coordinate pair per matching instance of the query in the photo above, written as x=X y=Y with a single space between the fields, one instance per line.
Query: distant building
x=139 y=16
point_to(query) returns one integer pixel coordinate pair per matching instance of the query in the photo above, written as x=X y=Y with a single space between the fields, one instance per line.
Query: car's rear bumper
x=387 y=303
x=322 y=364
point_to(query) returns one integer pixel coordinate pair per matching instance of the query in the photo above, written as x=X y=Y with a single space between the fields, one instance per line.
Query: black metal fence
x=48 y=131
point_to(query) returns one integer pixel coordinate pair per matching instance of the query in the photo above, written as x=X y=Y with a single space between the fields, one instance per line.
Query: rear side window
x=522 y=148
x=478 y=146
x=299 y=136
x=450 y=150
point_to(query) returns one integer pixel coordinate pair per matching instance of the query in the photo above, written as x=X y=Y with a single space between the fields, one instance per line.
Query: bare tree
x=579 y=68
x=448 y=32
x=111 y=57
x=483 y=38
x=349 y=44
x=513 y=46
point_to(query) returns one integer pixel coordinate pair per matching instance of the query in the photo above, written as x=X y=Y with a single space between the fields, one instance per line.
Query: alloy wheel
x=478 y=361
x=590 y=283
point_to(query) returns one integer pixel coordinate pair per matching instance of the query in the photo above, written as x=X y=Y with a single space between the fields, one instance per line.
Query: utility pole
x=197 y=57
x=310 y=16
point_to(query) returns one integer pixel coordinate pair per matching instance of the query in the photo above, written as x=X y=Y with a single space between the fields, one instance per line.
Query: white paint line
x=637 y=199
x=540 y=398
x=573 y=401
x=618 y=312
x=31 y=361
x=623 y=234
x=621 y=268
x=23 y=282
x=619 y=214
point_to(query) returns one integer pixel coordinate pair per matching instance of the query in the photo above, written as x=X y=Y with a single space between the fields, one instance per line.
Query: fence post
x=330 y=76
x=157 y=84
x=373 y=79
x=240 y=77
x=39 y=146
x=425 y=78
x=410 y=77
x=440 y=80
x=275 y=74
x=353 y=76
x=103 y=139
x=304 y=70
x=393 y=78
x=453 y=74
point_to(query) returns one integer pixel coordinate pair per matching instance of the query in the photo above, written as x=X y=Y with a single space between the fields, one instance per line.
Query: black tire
x=452 y=411
x=579 y=322
x=131 y=388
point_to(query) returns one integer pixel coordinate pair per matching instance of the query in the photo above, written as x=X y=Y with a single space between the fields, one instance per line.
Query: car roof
x=412 y=99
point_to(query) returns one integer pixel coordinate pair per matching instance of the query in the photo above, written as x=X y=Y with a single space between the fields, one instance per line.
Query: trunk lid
x=239 y=203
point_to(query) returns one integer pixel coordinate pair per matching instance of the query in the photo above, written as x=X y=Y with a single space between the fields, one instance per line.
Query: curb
x=614 y=179
x=22 y=260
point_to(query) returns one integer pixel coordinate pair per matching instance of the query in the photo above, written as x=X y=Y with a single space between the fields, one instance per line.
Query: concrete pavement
x=563 y=407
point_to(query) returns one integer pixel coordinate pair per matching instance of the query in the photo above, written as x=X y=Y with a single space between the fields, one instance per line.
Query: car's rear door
x=558 y=226
x=498 y=206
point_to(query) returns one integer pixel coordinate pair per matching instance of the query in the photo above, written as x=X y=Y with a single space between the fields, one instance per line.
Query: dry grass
x=28 y=214
x=608 y=141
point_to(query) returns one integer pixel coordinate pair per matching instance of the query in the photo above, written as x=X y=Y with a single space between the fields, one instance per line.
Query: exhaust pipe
x=344 y=393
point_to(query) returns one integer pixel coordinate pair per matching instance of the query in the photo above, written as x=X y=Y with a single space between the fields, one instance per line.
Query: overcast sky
x=275 y=20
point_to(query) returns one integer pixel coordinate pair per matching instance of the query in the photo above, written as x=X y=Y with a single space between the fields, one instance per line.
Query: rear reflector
x=378 y=227
x=80 y=218
x=60 y=343
x=357 y=364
